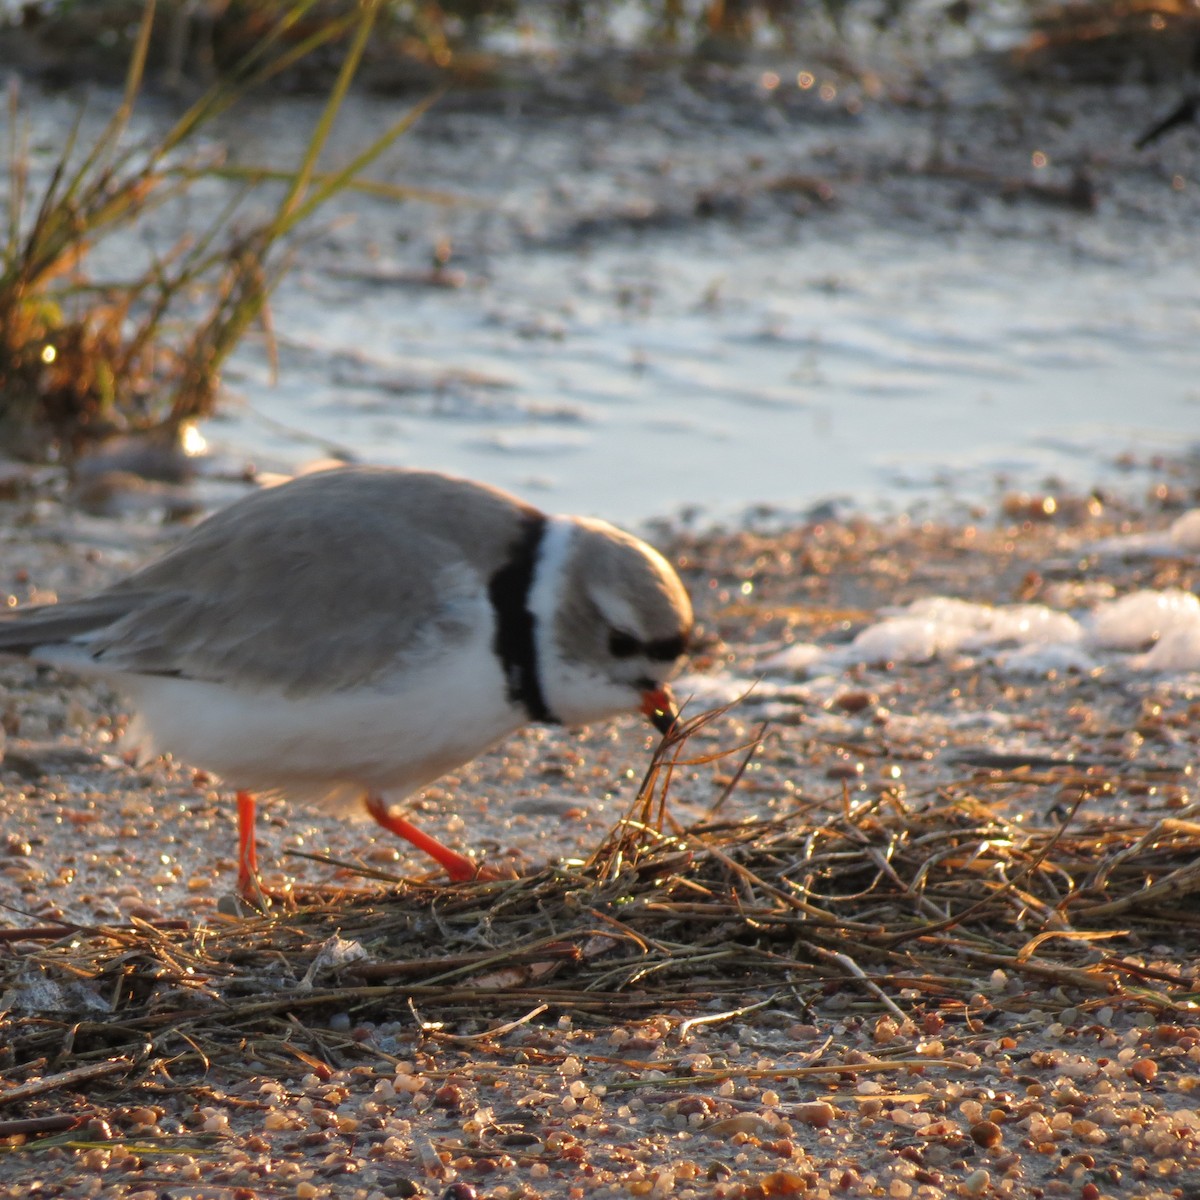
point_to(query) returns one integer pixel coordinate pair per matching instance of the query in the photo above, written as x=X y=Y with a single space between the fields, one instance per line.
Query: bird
x=351 y=635
x=1184 y=113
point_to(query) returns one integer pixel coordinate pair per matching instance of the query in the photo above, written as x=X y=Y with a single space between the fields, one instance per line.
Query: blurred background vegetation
x=83 y=359
x=415 y=42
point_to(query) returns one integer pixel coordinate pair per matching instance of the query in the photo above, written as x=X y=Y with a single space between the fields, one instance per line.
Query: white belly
x=337 y=746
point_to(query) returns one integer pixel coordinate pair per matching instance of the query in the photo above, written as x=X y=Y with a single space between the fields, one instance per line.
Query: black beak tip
x=664 y=720
x=659 y=706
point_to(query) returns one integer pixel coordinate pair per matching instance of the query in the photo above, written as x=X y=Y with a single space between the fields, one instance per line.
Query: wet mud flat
x=936 y=935
x=723 y=275
x=777 y=280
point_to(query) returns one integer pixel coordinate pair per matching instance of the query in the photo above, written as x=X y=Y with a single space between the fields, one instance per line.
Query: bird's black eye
x=666 y=649
x=622 y=645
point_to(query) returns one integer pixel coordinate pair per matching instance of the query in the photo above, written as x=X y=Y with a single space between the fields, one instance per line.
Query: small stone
x=987 y=1134
x=1144 y=1070
x=748 y=1123
x=98 y=1130
x=819 y=1114
x=975 y=1184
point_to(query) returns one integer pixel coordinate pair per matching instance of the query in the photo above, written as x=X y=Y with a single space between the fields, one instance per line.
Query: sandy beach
x=712 y=1008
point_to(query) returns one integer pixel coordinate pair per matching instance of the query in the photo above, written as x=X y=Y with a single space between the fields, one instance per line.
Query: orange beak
x=659 y=705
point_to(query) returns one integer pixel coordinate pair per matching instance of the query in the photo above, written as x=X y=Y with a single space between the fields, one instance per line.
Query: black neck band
x=515 y=643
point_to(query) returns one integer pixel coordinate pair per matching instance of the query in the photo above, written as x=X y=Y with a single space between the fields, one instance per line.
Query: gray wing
x=323 y=587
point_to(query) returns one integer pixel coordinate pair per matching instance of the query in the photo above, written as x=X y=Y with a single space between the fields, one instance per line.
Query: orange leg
x=248 y=884
x=460 y=868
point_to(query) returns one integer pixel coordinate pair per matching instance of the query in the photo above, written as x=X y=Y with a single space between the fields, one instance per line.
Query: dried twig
x=64 y=1079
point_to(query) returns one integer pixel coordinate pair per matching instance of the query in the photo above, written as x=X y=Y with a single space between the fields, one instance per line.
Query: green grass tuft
x=81 y=358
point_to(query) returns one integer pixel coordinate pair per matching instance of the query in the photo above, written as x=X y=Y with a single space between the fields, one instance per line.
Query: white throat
x=545 y=594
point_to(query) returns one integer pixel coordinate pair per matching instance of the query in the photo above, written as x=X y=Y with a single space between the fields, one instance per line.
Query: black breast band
x=515 y=644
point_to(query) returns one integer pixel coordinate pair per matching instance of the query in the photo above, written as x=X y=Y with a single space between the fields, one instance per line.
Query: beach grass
x=86 y=355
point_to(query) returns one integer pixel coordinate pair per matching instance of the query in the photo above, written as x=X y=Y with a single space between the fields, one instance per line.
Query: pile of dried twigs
x=904 y=906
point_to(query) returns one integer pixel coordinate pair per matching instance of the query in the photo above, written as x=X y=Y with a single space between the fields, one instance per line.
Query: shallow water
x=654 y=313
x=904 y=377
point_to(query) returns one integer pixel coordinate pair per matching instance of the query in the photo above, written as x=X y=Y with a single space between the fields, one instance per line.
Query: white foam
x=939 y=626
x=1027 y=625
x=1043 y=660
x=1180 y=540
x=1143 y=631
x=1175 y=652
x=1185 y=532
x=1135 y=620
x=797 y=657
x=701 y=691
x=901 y=639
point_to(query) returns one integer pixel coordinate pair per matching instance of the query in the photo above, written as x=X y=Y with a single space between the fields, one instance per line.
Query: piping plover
x=356 y=633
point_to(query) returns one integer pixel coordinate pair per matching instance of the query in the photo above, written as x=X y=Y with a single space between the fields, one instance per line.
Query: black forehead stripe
x=665 y=649
x=514 y=643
